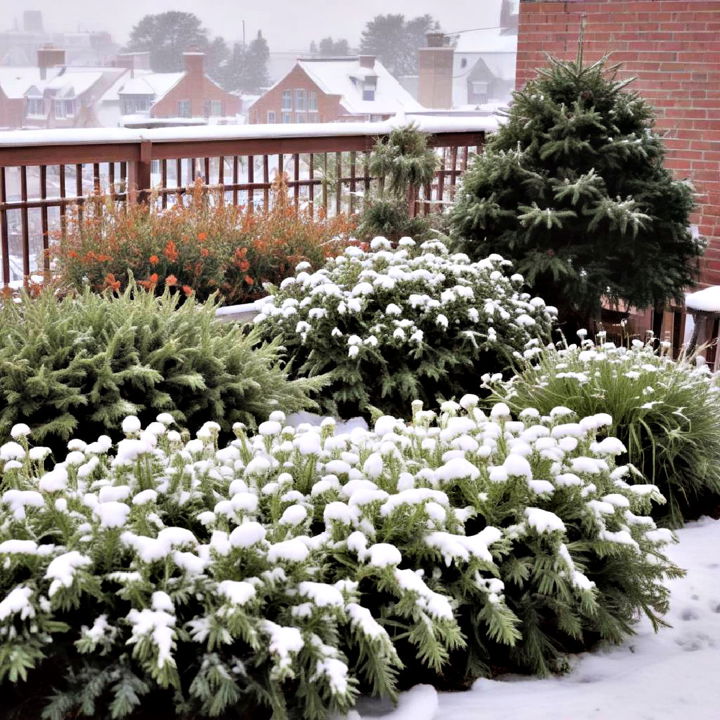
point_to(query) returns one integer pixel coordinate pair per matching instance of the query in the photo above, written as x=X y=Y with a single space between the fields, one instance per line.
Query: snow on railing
x=44 y=172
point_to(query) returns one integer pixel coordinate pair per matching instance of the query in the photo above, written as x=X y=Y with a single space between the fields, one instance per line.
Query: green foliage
x=329 y=47
x=390 y=219
x=402 y=163
x=294 y=568
x=573 y=190
x=395 y=41
x=247 y=67
x=167 y=35
x=403 y=160
x=665 y=412
x=83 y=362
x=393 y=326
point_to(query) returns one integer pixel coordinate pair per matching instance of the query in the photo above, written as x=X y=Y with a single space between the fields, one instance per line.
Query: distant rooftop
x=344 y=75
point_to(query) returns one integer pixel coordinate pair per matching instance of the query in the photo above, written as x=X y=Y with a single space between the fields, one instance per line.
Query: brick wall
x=673 y=48
x=329 y=107
x=12 y=111
x=196 y=87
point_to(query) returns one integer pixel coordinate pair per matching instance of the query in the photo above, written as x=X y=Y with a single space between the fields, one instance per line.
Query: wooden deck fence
x=43 y=173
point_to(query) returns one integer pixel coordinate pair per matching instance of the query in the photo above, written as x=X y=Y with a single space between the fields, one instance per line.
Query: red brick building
x=188 y=94
x=673 y=48
x=331 y=90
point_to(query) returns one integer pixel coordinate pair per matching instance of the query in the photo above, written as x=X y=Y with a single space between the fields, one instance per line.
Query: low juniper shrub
x=290 y=570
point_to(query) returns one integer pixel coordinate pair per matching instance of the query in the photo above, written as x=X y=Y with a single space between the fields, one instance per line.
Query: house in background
x=468 y=70
x=189 y=95
x=333 y=89
x=483 y=67
x=51 y=94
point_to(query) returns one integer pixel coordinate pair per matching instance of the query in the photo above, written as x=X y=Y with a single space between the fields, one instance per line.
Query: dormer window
x=133 y=104
x=65 y=104
x=65 y=108
x=369 y=87
x=34 y=104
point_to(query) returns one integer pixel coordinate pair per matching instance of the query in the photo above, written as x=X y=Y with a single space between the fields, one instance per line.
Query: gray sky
x=287 y=24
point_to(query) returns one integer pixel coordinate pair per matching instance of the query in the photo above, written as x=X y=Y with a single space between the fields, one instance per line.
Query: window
x=184 y=108
x=214 y=108
x=64 y=108
x=271 y=116
x=287 y=100
x=287 y=117
x=463 y=63
x=312 y=101
x=479 y=91
x=300 y=99
x=131 y=104
x=35 y=106
x=300 y=117
x=369 y=86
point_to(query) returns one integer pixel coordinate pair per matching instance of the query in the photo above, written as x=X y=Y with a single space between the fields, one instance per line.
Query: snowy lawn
x=672 y=674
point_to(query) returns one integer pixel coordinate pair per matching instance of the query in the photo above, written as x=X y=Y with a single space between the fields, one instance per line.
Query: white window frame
x=300 y=99
x=37 y=100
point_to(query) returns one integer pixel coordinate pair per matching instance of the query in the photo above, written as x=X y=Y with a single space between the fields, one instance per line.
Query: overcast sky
x=287 y=24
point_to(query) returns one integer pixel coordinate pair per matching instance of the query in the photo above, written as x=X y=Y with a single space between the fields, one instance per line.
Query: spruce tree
x=573 y=190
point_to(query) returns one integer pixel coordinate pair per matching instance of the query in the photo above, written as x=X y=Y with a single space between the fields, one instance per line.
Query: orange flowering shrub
x=196 y=247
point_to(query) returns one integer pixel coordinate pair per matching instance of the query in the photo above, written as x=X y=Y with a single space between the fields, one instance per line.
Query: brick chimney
x=49 y=57
x=194 y=63
x=367 y=61
x=435 y=63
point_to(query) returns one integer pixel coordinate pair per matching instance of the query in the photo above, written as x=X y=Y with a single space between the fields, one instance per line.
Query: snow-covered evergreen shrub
x=293 y=568
x=396 y=325
x=665 y=412
x=82 y=363
x=573 y=189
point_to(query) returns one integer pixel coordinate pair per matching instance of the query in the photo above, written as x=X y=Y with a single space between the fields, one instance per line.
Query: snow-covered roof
x=485 y=41
x=16 y=81
x=707 y=300
x=335 y=77
x=156 y=84
x=73 y=83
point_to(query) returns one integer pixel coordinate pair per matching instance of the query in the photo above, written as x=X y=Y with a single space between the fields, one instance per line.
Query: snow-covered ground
x=671 y=675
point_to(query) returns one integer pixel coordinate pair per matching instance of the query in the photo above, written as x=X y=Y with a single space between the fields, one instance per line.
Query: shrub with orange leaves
x=198 y=246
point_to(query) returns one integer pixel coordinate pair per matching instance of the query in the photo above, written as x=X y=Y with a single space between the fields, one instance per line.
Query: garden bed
x=664 y=675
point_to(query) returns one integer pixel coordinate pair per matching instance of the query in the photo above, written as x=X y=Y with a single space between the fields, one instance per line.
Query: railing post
x=143 y=176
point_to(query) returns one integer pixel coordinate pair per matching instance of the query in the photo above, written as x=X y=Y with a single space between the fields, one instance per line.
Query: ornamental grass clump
x=292 y=569
x=80 y=364
x=393 y=325
x=664 y=411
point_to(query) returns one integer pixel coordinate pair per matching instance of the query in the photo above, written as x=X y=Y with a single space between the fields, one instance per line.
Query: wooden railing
x=43 y=173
